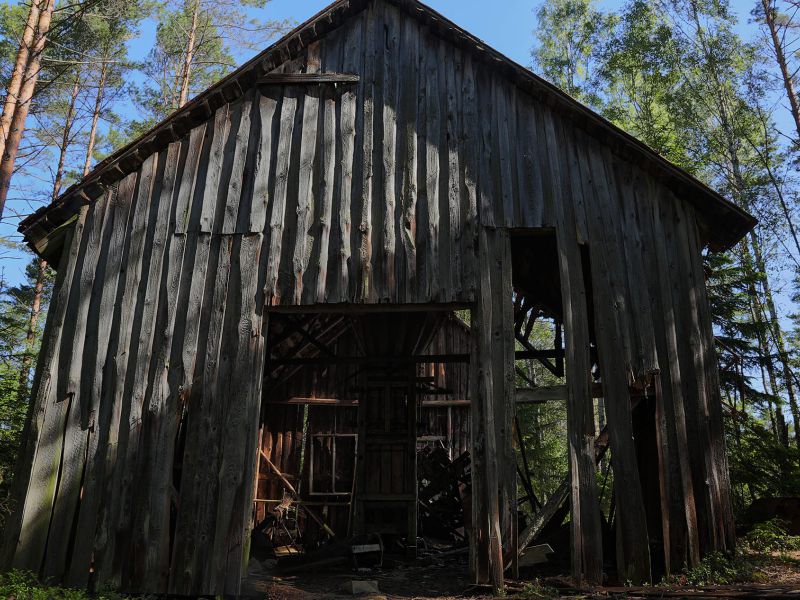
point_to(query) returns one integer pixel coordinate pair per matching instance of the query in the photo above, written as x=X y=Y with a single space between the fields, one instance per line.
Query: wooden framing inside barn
x=328 y=206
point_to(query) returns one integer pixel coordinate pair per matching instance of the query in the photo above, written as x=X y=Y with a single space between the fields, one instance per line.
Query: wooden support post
x=586 y=536
x=492 y=371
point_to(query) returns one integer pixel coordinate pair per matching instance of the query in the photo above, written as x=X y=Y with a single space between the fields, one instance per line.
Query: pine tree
x=195 y=40
x=20 y=335
x=777 y=25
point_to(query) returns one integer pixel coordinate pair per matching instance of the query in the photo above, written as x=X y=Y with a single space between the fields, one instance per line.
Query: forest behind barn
x=677 y=75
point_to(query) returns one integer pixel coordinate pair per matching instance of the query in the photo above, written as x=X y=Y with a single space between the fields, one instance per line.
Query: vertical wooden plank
x=236 y=172
x=608 y=278
x=486 y=508
x=529 y=180
x=409 y=121
x=328 y=190
x=673 y=515
x=36 y=409
x=671 y=390
x=208 y=413
x=282 y=158
x=373 y=38
x=95 y=345
x=629 y=244
x=140 y=235
x=430 y=249
x=153 y=494
x=503 y=387
x=549 y=189
x=727 y=534
x=149 y=301
x=103 y=311
x=693 y=362
x=469 y=148
x=52 y=411
x=485 y=88
x=347 y=142
x=452 y=128
x=698 y=458
x=186 y=192
x=75 y=436
x=390 y=55
x=586 y=536
x=194 y=327
x=305 y=194
x=502 y=125
x=241 y=335
x=268 y=102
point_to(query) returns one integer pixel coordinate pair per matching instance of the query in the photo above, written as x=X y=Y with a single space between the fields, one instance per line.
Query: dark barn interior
x=349 y=402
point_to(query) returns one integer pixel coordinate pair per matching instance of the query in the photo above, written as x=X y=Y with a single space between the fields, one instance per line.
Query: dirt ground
x=774 y=576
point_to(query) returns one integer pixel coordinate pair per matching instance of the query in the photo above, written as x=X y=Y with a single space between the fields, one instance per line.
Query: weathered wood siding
x=141 y=451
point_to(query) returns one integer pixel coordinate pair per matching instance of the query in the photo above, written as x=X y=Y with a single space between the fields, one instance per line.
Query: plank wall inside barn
x=406 y=187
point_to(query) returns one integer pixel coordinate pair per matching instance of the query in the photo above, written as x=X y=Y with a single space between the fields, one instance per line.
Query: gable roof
x=43 y=230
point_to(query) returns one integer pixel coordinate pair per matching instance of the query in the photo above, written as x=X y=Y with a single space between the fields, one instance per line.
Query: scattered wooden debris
x=443 y=484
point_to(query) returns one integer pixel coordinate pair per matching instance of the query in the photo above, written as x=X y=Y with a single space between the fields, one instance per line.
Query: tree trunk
x=98 y=103
x=770 y=316
x=189 y=57
x=30 y=335
x=17 y=126
x=20 y=64
x=65 y=138
x=765 y=355
x=780 y=58
x=776 y=333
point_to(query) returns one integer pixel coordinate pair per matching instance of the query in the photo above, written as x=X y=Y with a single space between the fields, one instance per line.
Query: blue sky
x=504 y=24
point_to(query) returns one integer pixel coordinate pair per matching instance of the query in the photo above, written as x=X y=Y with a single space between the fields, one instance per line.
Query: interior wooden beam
x=419 y=358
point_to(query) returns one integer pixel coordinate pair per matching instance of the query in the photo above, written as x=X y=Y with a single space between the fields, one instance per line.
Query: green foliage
x=760 y=465
x=569 y=33
x=536 y=589
x=543 y=426
x=24 y=586
x=720 y=569
x=771 y=536
x=641 y=74
x=195 y=40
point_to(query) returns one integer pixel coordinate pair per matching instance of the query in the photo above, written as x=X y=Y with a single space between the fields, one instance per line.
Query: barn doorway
x=364 y=438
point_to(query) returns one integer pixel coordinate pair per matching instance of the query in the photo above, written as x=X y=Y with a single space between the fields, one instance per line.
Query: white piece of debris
x=361 y=586
x=535 y=555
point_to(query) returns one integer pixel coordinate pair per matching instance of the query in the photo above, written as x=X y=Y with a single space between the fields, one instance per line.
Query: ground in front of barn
x=766 y=575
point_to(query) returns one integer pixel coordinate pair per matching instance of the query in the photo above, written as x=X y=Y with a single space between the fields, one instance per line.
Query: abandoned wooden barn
x=259 y=296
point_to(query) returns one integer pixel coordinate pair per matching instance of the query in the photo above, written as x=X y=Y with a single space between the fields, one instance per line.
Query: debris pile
x=444 y=494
